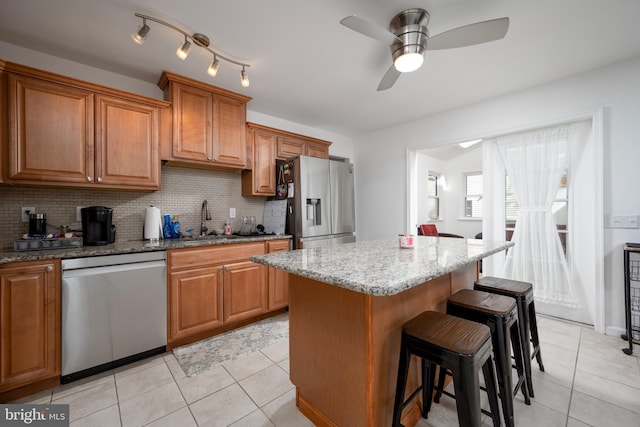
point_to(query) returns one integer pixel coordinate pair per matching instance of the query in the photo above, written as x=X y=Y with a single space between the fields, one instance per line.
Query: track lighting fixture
x=198 y=39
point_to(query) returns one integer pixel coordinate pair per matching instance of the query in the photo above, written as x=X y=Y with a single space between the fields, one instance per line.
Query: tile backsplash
x=182 y=192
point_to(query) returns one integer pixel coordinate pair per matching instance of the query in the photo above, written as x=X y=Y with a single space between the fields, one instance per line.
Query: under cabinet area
x=216 y=288
x=69 y=133
x=30 y=327
x=208 y=124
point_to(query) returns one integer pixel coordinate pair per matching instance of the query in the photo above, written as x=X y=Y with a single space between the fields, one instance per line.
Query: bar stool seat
x=522 y=292
x=499 y=313
x=459 y=345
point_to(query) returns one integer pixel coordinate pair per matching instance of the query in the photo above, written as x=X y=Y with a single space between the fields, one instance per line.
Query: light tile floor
x=588 y=382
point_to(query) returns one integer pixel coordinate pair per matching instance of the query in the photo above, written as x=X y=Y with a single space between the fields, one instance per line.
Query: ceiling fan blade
x=389 y=78
x=468 y=35
x=368 y=29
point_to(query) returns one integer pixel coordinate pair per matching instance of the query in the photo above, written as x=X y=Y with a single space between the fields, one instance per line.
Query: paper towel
x=152 y=223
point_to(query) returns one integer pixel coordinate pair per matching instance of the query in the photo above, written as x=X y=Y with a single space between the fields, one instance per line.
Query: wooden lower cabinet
x=278 y=279
x=245 y=291
x=195 y=301
x=30 y=319
x=213 y=289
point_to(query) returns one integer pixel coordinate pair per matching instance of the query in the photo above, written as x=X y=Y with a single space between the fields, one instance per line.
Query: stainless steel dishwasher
x=114 y=311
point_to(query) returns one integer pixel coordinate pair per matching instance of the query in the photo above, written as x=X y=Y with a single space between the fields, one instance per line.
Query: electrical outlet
x=79 y=213
x=26 y=211
x=232 y=212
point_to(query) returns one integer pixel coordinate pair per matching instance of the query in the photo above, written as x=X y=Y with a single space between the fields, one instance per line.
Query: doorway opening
x=579 y=207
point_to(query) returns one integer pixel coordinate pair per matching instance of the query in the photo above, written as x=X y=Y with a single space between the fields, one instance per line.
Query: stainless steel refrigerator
x=320 y=200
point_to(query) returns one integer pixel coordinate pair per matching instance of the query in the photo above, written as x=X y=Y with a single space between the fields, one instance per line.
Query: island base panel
x=344 y=348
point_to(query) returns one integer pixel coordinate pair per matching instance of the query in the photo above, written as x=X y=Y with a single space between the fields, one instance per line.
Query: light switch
x=623 y=221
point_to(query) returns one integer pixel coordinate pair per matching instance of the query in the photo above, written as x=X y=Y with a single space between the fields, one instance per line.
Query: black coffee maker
x=96 y=226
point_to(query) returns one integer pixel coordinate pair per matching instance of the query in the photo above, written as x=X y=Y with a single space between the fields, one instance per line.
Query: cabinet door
x=127 y=143
x=278 y=279
x=192 y=127
x=263 y=179
x=29 y=324
x=51 y=136
x=195 y=301
x=317 y=150
x=245 y=291
x=290 y=147
x=229 y=139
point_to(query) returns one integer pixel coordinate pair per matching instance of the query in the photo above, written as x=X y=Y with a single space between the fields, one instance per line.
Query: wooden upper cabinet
x=208 y=124
x=127 y=144
x=317 y=150
x=230 y=116
x=261 y=179
x=68 y=133
x=192 y=117
x=51 y=135
x=290 y=147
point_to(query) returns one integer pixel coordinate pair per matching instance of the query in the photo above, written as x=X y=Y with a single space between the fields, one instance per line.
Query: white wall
x=616 y=89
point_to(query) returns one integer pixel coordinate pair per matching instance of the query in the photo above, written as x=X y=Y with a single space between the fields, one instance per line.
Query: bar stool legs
x=461 y=346
x=522 y=292
x=499 y=313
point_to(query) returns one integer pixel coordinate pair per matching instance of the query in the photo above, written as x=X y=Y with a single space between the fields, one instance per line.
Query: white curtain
x=535 y=161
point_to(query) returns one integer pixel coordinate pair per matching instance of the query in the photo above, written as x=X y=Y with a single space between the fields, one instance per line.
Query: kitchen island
x=347 y=304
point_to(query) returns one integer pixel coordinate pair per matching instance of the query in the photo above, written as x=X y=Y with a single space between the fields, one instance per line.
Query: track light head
x=213 y=67
x=244 y=78
x=183 y=50
x=141 y=35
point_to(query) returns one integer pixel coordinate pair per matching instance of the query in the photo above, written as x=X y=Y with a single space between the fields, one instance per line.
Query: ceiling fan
x=408 y=38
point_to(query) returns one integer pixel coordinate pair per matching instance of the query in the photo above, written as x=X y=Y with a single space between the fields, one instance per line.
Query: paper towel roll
x=152 y=223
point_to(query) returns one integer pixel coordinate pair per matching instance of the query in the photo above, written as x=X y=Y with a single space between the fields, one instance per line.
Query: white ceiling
x=309 y=69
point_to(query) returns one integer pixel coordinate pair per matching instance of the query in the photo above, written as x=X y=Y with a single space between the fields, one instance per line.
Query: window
x=559 y=209
x=473 y=196
x=433 y=200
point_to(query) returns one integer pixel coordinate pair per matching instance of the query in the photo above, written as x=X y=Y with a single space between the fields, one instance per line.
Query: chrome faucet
x=205 y=215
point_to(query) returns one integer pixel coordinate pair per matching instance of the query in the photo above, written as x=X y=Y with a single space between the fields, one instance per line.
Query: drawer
x=216 y=255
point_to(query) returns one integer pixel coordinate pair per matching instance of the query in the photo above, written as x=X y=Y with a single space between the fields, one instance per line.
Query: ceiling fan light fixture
x=141 y=35
x=408 y=62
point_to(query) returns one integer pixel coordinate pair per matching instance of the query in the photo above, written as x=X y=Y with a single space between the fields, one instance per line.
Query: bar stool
x=500 y=314
x=523 y=294
x=456 y=344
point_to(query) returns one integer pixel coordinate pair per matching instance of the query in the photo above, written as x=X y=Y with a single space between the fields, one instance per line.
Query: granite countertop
x=133 y=246
x=380 y=267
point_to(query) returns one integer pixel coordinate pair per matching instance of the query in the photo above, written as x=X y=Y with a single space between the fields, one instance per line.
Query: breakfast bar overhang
x=347 y=304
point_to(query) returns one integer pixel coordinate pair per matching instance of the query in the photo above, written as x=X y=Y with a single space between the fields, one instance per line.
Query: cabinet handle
x=209 y=158
x=88 y=179
x=48 y=269
x=99 y=179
